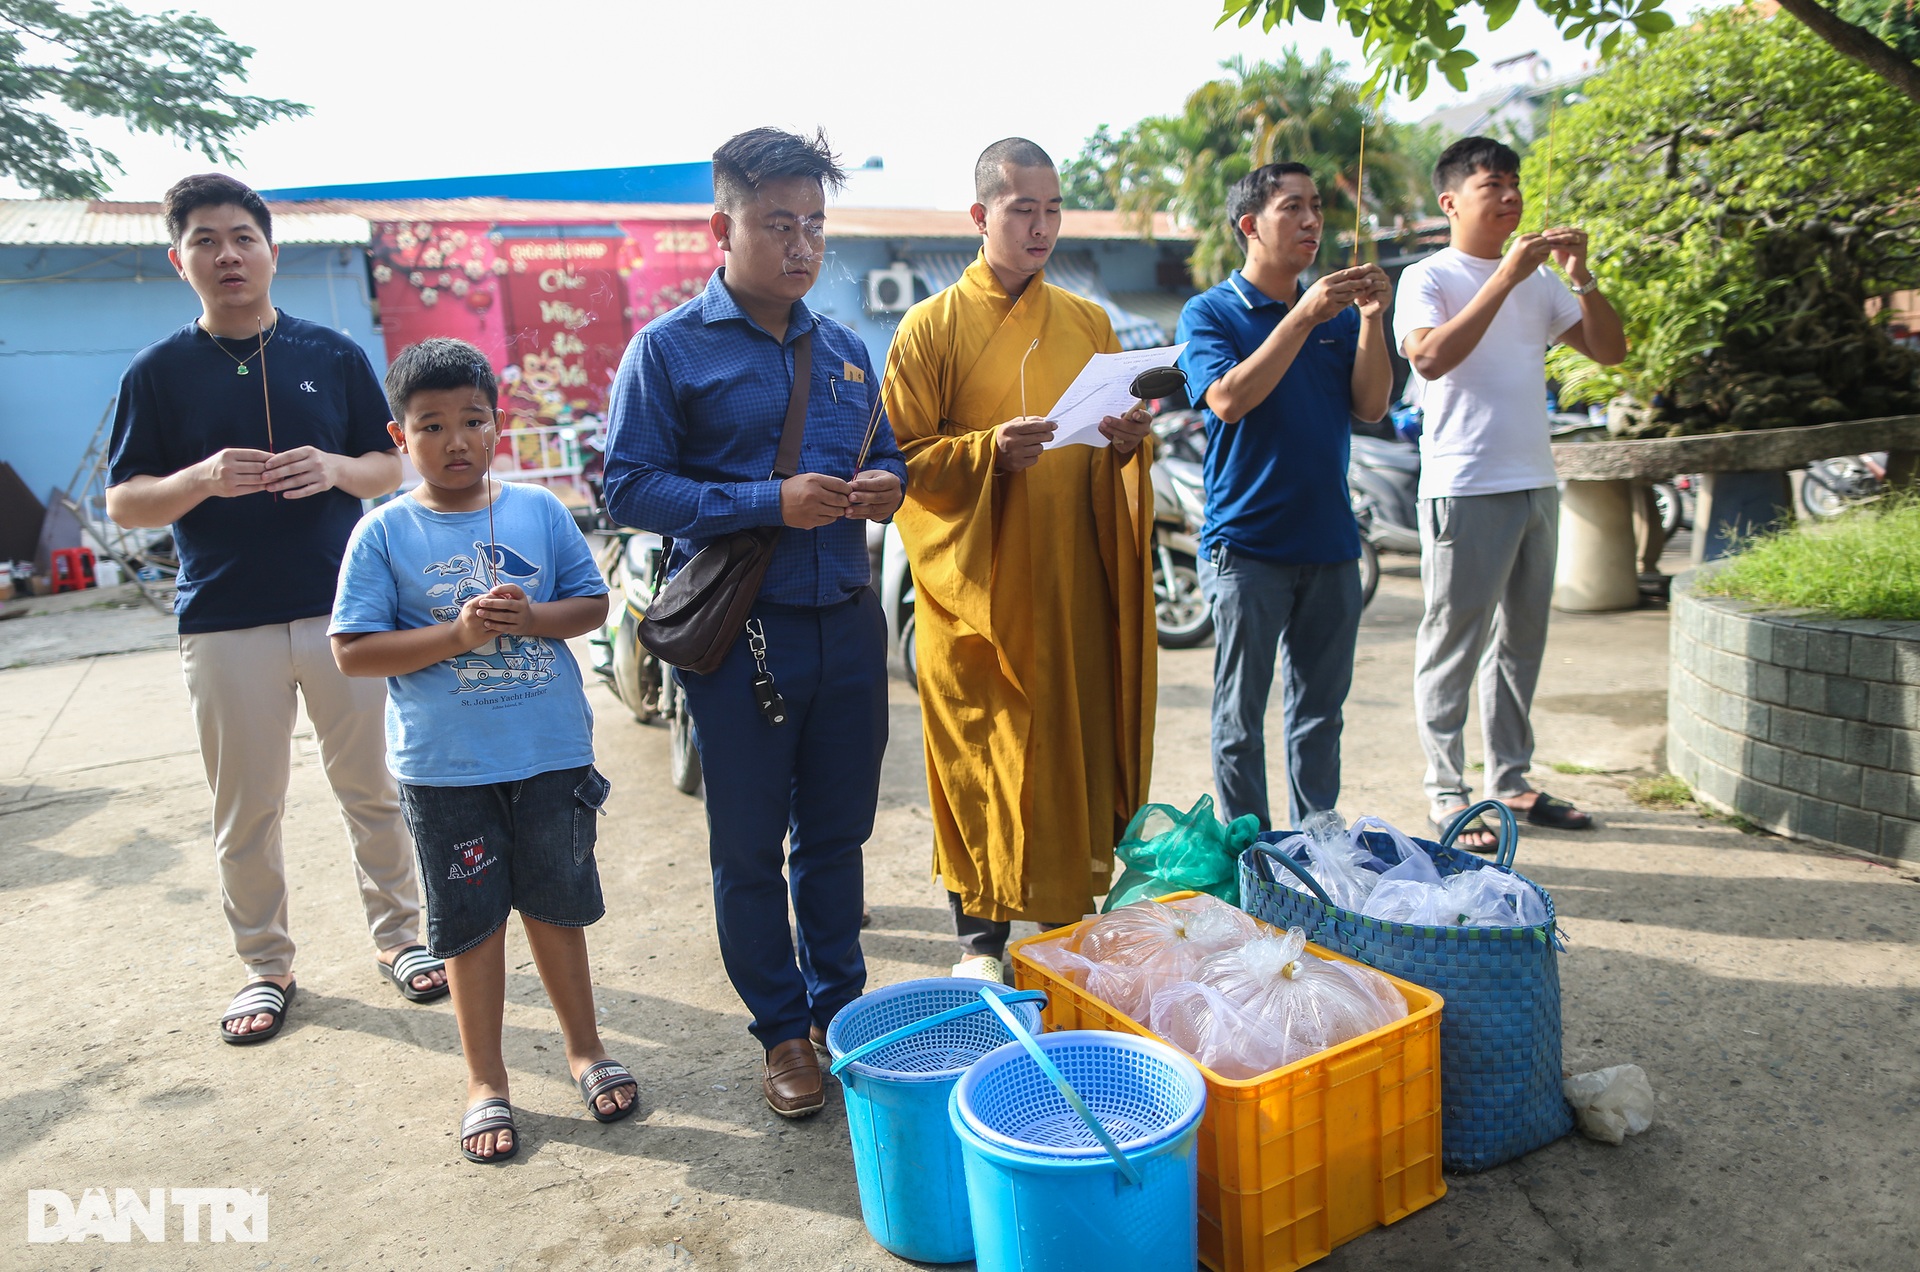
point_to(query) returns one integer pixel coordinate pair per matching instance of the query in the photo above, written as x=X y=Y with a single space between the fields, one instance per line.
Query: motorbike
x=1383 y=481
x=1181 y=614
x=633 y=563
x=1831 y=486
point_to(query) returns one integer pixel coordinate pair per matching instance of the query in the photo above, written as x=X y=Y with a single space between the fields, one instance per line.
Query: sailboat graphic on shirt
x=507 y=662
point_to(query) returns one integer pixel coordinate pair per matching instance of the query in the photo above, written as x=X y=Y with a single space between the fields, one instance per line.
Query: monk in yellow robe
x=1035 y=613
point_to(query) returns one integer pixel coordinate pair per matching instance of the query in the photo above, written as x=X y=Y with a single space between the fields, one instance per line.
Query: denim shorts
x=525 y=845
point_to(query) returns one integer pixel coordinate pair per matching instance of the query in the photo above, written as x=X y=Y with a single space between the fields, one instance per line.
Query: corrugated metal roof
x=842 y=221
x=71 y=222
x=49 y=222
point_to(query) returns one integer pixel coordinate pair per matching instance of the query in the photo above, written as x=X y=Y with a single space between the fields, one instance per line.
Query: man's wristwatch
x=1586 y=288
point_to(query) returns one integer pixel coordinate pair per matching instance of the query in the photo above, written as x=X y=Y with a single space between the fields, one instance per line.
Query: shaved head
x=990 y=171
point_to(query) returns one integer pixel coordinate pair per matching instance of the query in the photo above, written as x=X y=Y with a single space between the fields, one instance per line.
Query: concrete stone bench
x=1745 y=489
x=1805 y=725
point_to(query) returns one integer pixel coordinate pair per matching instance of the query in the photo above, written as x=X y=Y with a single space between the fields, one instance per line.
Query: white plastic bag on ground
x=1313 y=1003
x=1611 y=1104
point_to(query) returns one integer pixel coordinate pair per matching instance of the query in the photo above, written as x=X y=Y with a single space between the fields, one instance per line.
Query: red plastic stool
x=72 y=569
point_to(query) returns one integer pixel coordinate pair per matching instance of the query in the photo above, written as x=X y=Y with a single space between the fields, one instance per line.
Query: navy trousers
x=808 y=786
x=1310 y=616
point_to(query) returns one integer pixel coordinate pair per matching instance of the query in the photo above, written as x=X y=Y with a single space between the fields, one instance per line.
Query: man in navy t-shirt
x=256 y=435
x=1279 y=370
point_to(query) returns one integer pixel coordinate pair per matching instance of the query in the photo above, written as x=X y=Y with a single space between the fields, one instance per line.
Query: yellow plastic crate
x=1307 y=1157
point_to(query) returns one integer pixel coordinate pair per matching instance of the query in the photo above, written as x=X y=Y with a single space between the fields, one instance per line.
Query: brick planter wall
x=1805 y=725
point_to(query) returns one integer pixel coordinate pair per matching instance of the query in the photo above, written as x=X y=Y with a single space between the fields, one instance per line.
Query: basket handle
x=1059 y=1080
x=1508 y=835
x=1264 y=854
x=927 y=1022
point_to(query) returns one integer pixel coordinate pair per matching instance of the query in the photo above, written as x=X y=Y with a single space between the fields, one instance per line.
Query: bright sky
x=478 y=87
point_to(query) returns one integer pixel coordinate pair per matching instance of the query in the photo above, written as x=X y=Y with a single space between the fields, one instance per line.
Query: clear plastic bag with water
x=1324 y=846
x=1311 y=1002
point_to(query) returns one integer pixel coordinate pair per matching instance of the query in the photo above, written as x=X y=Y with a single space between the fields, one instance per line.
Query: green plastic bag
x=1194 y=852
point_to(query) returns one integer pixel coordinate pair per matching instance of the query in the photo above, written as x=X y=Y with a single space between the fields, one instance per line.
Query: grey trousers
x=1486 y=567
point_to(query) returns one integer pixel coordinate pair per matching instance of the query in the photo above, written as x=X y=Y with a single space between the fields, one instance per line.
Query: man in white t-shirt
x=1476 y=321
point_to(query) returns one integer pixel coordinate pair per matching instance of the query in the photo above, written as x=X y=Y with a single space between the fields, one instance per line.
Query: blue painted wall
x=71 y=318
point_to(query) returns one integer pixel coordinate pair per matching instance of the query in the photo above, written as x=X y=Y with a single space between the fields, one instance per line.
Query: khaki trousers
x=242 y=684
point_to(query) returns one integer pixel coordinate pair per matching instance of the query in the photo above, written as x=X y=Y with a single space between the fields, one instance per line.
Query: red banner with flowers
x=552 y=307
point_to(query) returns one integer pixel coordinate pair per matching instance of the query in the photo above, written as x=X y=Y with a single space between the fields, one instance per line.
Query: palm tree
x=1261 y=112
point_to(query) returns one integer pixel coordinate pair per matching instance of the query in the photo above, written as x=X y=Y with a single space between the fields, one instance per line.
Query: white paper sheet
x=1100 y=390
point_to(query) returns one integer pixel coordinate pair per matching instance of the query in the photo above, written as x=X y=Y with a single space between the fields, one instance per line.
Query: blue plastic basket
x=1080 y=1152
x=913 y=1194
x=1500 y=1027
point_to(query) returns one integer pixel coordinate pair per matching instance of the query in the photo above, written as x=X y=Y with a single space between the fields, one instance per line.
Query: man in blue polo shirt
x=697 y=412
x=1279 y=370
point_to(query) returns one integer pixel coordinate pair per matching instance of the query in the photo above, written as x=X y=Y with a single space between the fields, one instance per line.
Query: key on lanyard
x=765 y=695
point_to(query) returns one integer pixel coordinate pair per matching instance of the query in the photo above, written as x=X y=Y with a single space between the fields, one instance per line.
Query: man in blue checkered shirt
x=697 y=412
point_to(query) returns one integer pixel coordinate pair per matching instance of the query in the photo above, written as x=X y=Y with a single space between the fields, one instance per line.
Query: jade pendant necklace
x=240 y=364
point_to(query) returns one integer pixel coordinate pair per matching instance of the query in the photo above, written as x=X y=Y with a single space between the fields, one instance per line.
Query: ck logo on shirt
x=306 y=386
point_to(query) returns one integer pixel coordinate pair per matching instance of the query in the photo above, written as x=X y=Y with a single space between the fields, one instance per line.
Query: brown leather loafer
x=794 y=1086
x=818 y=1037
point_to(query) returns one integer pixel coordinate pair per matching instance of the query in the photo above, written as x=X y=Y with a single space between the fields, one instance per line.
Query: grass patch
x=1661 y=791
x=1861 y=565
x=1564 y=766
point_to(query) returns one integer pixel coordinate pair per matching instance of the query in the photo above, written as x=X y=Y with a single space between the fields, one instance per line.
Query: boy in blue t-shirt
x=463 y=595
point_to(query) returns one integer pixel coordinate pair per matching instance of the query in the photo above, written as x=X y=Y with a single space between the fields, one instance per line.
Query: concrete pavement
x=1770 y=992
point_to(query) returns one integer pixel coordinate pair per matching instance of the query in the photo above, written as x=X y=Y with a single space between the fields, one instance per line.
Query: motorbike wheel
x=910 y=652
x=1831 y=486
x=1369 y=573
x=1666 y=498
x=1180 y=609
x=684 y=757
x=636 y=673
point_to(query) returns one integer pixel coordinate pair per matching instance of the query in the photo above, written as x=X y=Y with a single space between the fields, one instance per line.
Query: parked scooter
x=633 y=562
x=1181 y=614
x=1832 y=486
x=1383 y=480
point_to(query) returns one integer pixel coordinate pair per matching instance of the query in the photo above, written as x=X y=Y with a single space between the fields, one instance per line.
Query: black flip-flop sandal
x=1557 y=814
x=257 y=998
x=409 y=963
x=1477 y=825
x=603 y=1077
x=489 y=1115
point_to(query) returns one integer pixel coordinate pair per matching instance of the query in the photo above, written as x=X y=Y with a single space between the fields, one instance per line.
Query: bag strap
x=1508 y=836
x=787 y=461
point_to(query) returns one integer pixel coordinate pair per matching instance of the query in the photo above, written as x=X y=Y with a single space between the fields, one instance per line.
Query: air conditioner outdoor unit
x=890 y=290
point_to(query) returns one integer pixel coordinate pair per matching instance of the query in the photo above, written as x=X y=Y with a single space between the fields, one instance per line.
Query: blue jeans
x=1310 y=614
x=809 y=787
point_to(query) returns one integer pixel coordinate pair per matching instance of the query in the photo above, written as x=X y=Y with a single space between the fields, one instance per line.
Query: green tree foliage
x=1407 y=40
x=169 y=75
x=1746 y=189
x=1258 y=113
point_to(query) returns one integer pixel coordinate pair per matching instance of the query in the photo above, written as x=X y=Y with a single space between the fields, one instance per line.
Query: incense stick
x=1023 y=375
x=1359 y=195
x=493 y=550
x=1546 y=201
x=266 y=398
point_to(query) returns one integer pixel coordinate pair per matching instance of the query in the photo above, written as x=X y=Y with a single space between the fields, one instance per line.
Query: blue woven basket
x=1500 y=1028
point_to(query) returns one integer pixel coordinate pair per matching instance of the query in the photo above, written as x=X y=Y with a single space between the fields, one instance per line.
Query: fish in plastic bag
x=1329 y=853
x=1313 y=1003
x=1472 y=898
x=1216 y=1031
x=1125 y=957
